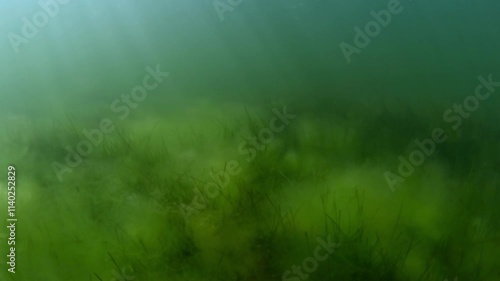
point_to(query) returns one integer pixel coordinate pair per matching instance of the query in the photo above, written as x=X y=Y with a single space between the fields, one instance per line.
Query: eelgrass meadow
x=236 y=140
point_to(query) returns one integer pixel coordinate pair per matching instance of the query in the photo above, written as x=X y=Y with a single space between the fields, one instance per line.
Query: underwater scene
x=249 y=140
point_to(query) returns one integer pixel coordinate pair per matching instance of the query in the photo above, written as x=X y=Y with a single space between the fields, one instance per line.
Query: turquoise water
x=249 y=140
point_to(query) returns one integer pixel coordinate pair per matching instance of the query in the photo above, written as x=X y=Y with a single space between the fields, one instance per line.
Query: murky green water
x=249 y=140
